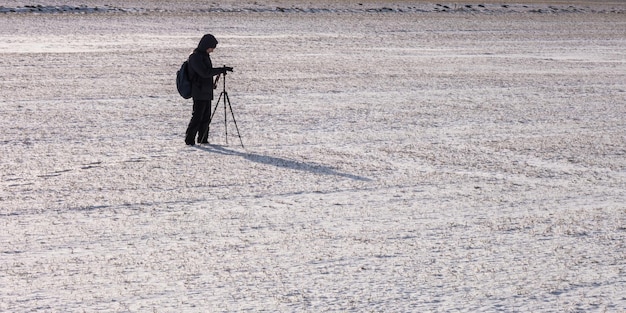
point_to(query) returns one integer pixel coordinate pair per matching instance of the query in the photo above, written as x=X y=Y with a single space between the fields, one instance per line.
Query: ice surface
x=394 y=161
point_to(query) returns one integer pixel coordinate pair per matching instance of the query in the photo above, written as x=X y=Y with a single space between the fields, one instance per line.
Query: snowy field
x=399 y=157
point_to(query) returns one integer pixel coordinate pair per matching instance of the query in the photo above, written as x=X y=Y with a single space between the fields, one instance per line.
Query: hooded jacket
x=201 y=69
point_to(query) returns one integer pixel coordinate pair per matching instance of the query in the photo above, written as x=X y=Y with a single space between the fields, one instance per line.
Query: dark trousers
x=199 y=123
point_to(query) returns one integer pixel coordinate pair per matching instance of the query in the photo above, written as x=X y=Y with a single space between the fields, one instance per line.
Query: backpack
x=183 y=83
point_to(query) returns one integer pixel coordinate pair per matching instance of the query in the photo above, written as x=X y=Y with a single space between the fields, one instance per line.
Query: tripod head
x=224 y=69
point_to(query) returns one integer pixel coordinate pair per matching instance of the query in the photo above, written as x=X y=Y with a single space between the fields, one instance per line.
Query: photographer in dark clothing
x=201 y=73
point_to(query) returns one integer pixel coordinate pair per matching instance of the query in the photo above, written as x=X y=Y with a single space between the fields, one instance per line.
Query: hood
x=207 y=41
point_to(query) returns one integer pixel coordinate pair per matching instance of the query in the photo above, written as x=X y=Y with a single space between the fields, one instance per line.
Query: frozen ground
x=394 y=161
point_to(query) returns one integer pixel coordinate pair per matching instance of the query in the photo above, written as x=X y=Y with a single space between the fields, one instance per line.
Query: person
x=201 y=73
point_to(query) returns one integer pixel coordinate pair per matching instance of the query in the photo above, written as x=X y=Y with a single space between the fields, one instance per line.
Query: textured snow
x=394 y=161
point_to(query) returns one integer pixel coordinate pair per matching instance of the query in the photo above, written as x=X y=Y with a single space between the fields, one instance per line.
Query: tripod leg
x=226 y=98
x=206 y=136
x=225 y=123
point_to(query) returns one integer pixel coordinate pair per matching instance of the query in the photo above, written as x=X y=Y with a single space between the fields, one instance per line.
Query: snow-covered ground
x=397 y=158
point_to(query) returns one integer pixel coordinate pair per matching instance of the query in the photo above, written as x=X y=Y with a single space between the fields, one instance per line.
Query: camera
x=226 y=69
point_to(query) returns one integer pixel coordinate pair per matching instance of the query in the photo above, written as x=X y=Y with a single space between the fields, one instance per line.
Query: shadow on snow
x=280 y=162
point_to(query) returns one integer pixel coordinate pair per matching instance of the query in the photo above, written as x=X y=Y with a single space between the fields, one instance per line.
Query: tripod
x=224 y=96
